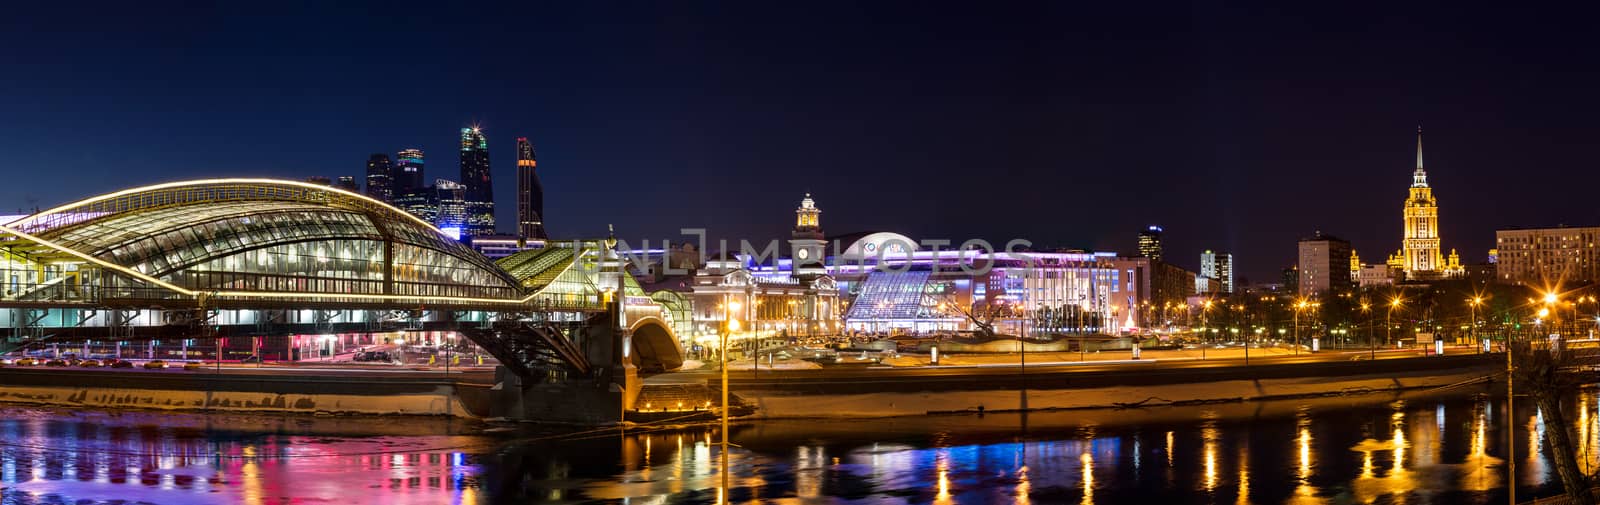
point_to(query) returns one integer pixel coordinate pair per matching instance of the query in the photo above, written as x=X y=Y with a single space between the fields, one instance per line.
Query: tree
x=1539 y=373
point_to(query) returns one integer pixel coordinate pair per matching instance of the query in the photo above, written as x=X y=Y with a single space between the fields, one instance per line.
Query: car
x=194 y=365
x=26 y=362
x=57 y=362
x=121 y=363
x=155 y=364
x=89 y=363
x=374 y=357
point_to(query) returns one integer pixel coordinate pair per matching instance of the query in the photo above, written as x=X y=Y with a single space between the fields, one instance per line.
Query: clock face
x=803 y=253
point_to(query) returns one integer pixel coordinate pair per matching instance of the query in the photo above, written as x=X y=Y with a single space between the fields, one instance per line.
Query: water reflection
x=97 y=457
x=1413 y=450
x=1304 y=492
x=1417 y=451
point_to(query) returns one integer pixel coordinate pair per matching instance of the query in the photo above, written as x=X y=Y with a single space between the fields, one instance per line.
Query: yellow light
x=1544 y=313
x=733 y=325
x=1550 y=298
x=733 y=306
x=1394 y=303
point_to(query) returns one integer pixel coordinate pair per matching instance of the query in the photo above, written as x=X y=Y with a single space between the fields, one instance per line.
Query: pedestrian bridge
x=218 y=258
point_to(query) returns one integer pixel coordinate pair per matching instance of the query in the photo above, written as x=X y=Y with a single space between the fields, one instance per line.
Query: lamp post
x=1366 y=309
x=1388 y=326
x=1022 y=352
x=731 y=307
x=1472 y=328
x=1297 y=308
x=1511 y=415
x=1551 y=299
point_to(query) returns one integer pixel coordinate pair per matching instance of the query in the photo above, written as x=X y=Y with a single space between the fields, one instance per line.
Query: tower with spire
x=1419 y=251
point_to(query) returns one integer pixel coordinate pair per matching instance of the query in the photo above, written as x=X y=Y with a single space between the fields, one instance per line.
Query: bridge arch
x=655 y=346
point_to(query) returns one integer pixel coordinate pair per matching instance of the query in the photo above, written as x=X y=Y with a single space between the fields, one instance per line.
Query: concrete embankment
x=871 y=394
x=291 y=392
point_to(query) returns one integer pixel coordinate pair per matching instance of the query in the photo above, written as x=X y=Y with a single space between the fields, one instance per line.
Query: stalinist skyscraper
x=1419 y=252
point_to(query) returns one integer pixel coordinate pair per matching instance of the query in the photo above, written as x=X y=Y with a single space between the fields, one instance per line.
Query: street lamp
x=1472 y=330
x=1297 y=308
x=1366 y=309
x=732 y=308
x=1388 y=326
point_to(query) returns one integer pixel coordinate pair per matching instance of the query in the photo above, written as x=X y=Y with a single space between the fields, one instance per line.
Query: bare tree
x=1544 y=373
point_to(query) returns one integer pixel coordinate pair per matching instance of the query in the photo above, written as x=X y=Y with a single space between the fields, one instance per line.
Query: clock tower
x=806 y=242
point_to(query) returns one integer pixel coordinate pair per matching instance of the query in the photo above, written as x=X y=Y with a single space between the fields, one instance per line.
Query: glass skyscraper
x=475 y=179
x=380 y=177
x=408 y=172
x=530 y=194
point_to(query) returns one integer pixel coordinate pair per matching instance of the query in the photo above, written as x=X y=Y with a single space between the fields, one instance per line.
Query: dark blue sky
x=1237 y=128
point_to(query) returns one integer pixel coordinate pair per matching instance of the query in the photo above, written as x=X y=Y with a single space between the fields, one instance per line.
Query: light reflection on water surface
x=1413 y=450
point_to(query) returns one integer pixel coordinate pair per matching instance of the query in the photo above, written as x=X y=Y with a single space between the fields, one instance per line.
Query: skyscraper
x=450 y=199
x=1218 y=266
x=441 y=203
x=347 y=183
x=1419 y=251
x=380 y=177
x=530 y=194
x=1150 y=243
x=1324 y=264
x=408 y=172
x=475 y=180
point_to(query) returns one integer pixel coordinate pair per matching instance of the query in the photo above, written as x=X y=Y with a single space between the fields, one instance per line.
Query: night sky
x=1238 y=128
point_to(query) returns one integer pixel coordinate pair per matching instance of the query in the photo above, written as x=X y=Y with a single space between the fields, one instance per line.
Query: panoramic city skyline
x=1081 y=133
x=675 y=252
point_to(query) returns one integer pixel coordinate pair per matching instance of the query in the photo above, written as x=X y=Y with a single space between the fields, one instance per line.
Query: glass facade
x=231 y=237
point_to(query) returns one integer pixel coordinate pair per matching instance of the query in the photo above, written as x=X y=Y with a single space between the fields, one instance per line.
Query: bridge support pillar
x=574 y=401
x=590 y=400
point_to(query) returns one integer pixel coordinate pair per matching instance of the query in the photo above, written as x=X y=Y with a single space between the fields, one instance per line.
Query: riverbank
x=767 y=394
x=245 y=390
x=788 y=405
x=899 y=392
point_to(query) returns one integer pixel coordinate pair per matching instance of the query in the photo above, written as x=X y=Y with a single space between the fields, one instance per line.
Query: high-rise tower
x=530 y=194
x=475 y=178
x=806 y=241
x=408 y=172
x=1420 y=248
x=1218 y=266
x=1150 y=243
x=380 y=178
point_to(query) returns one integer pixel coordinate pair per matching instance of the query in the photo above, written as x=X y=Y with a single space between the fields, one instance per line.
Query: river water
x=1447 y=448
